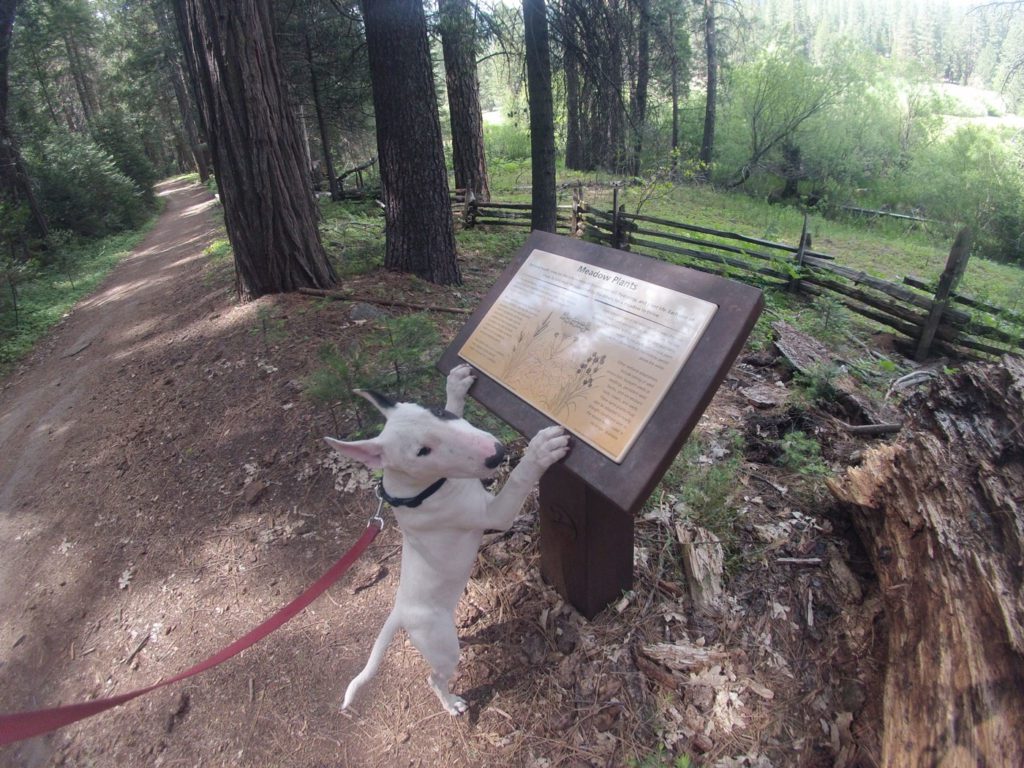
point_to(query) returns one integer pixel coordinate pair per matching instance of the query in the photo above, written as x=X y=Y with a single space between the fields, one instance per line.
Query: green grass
x=885 y=248
x=52 y=291
x=353 y=236
x=703 y=477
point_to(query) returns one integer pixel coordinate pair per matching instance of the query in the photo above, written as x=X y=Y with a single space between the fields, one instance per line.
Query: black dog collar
x=412 y=502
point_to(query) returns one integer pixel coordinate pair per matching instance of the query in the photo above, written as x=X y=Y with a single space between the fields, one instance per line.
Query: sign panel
x=592 y=348
x=653 y=404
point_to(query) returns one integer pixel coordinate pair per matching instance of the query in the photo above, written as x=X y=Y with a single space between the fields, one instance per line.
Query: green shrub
x=112 y=133
x=397 y=358
x=973 y=177
x=82 y=191
x=506 y=141
x=801 y=453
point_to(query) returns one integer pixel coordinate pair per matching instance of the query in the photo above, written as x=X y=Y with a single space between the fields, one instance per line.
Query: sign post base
x=586 y=542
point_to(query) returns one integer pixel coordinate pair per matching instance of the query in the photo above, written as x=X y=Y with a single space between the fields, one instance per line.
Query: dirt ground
x=164 y=487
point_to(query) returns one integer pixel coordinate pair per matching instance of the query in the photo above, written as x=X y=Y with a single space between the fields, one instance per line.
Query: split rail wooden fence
x=935 y=318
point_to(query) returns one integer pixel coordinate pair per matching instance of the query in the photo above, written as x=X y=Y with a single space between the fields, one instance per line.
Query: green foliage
x=219 y=250
x=333 y=383
x=81 y=190
x=269 y=328
x=661 y=758
x=408 y=345
x=353 y=235
x=506 y=142
x=396 y=357
x=800 y=453
x=973 y=176
x=776 y=99
x=703 y=477
x=47 y=291
x=818 y=384
x=827 y=320
x=112 y=133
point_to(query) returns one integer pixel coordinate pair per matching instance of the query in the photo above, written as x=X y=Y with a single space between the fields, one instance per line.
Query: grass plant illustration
x=576 y=385
x=519 y=358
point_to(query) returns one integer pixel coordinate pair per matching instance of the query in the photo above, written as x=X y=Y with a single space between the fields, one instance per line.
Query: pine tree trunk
x=613 y=107
x=707 y=142
x=675 y=90
x=321 y=121
x=574 y=150
x=186 y=109
x=940 y=514
x=414 y=181
x=80 y=77
x=458 y=44
x=643 y=74
x=542 y=116
x=269 y=211
x=15 y=185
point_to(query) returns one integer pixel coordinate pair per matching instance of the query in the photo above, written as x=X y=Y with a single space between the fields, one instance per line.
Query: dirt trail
x=56 y=411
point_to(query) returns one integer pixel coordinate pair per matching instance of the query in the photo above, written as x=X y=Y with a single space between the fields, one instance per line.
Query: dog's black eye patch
x=424 y=451
x=441 y=413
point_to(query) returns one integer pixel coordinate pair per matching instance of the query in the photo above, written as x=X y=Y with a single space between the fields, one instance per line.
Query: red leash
x=23 y=725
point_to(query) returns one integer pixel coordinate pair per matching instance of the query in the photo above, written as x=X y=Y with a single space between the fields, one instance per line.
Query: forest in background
x=910 y=108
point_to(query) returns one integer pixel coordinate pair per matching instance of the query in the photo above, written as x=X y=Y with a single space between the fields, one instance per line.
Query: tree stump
x=939 y=512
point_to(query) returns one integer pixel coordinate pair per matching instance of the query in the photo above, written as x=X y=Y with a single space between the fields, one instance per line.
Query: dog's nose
x=499 y=456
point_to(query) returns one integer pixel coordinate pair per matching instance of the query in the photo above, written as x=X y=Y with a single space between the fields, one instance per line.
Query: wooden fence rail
x=933 y=318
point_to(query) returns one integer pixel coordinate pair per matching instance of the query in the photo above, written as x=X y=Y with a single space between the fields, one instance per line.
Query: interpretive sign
x=625 y=352
x=594 y=349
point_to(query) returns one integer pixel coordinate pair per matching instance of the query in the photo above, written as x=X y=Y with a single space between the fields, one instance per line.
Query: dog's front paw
x=547 y=446
x=457 y=386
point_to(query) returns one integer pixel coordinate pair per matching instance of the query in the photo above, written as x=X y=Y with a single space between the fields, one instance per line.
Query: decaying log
x=811 y=358
x=939 y=512
x=704 y=563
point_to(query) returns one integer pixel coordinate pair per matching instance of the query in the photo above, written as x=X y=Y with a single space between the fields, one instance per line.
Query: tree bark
x=414 y=182
x=542 y=115
x=269 y=211
x=613 y=106
x=939 y=512
x=15 y=185
x=83 y=86
x=458 y=44
x=707 y=142
x=197 y=147
x=674 y=65
x=643 y=74
x=321 y=122
x=571 y=73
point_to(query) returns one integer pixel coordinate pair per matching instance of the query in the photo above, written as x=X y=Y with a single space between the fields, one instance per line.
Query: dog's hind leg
x=380 y=645
x=438 y=642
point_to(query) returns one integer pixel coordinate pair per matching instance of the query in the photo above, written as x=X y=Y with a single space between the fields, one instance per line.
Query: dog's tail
x=387 y=632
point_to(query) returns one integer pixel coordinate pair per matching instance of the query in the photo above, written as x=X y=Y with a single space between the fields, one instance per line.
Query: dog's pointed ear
x=382 y=403
x=368 y=452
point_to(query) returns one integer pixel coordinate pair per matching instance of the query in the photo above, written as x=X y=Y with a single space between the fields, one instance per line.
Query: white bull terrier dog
x=433 y=462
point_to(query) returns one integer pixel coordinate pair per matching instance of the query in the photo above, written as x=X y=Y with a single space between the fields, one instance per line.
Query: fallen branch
x=361 y=167
x=870 y=429
x=138 y=649
x=339 y=296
